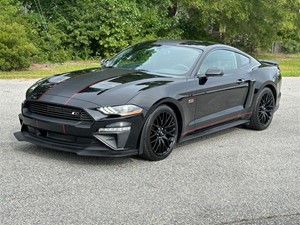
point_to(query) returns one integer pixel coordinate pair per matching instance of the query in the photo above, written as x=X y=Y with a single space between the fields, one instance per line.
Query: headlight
x=122 y=110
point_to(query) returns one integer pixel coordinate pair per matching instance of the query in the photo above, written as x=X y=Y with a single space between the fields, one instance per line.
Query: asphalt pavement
x=235 y=177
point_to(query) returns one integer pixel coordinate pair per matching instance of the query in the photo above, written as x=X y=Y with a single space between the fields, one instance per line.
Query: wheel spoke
x=153 y=135
x=170 y=123
x=153 y=129
x=155 y=125
x=168 y=120
x=171 y=132
x=265 y=118
x=166 y=147
x=162 y=119
x=154 y=140
x=167 y=139
x=156 y=146
x=161 y=147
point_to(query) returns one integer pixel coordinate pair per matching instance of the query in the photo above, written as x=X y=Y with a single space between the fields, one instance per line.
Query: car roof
x=188 y=43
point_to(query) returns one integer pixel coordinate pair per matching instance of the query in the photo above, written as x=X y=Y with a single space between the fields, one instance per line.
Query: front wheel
x=263 y=110
x=159 y=134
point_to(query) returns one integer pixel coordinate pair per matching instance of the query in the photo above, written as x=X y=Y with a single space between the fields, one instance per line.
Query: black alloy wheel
x=160 y=133
x=263 y=110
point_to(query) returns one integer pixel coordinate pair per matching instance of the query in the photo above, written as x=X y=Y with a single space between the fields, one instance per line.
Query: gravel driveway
x=234 y=177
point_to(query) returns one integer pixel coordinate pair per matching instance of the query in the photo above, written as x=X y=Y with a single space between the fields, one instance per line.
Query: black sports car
x=149 y=97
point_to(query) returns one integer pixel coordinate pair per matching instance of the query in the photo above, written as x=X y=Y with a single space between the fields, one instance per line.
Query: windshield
x=163 y=59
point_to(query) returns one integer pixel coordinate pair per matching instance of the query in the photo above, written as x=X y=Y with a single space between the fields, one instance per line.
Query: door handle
x=240 y=81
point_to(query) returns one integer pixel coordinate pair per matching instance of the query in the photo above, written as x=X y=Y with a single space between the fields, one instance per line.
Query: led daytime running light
x=114 y=129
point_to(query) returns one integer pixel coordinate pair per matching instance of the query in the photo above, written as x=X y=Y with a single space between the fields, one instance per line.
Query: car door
x=219 y=98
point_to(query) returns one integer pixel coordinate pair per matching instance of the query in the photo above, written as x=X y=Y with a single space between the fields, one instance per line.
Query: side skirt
x=213 y=129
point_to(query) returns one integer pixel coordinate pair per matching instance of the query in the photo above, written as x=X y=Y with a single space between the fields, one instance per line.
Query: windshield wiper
x=142 y=70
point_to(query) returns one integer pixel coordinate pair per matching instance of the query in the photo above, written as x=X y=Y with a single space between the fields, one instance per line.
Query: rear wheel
x=159 y=134
x=262 y=114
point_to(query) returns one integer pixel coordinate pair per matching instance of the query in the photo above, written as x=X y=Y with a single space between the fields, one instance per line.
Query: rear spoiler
x=269 y=62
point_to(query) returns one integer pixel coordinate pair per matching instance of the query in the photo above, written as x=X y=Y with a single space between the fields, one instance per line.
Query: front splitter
x=102 y=151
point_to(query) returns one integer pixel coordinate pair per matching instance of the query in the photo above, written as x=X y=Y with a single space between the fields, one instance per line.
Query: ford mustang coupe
x=149 y=97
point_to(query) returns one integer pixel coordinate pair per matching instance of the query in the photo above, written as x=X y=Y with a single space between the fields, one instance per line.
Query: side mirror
x=104 y=63
x=214 y=72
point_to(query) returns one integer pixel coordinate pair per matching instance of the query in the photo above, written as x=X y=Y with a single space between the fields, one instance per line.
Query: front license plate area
x=61 y=137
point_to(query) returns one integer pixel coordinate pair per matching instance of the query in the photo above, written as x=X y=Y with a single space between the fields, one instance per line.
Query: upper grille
x=58 y=111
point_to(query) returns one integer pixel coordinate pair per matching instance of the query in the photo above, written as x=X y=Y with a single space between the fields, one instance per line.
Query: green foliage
x=50 y=42
x=84 y=29
x=290 y=33
x=291 y=46
x=155 y=22
x=15 y=47
x=249 y=25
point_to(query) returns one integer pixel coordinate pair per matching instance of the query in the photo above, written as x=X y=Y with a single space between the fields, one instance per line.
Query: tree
x=97 y=28
x=289 y=33
x=250 y=25
x=16 y=49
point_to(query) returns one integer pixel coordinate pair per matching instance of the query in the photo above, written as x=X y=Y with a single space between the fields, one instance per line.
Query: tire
x=263 y=111
x=159 y=134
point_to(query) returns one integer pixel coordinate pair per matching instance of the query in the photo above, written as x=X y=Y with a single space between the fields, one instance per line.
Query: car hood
x=108 y=86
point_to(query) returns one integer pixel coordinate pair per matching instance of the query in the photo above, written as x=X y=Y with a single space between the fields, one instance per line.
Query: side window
x=222 y=59
x=242 y=60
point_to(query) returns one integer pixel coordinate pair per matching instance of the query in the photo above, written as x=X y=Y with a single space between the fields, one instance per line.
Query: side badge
x=191 y=100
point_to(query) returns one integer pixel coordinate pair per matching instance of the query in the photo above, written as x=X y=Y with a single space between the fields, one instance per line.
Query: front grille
x=58 y=111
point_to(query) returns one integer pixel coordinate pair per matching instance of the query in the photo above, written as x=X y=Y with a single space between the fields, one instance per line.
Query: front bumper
x=82 y=138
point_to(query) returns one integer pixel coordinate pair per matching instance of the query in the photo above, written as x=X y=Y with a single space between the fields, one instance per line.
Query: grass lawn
x=43 y=70
x=289 y=64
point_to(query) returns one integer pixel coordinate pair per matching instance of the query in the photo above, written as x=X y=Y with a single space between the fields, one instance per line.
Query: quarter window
x=243 y=60
x=222 y=59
